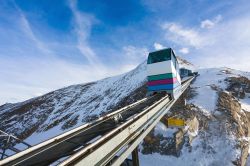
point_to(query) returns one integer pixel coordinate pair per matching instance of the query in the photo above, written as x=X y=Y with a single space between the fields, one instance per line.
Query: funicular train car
x=163 y=73
x=184 y=72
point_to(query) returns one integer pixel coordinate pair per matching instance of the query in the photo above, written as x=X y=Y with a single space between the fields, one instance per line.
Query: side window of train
x=175 y=64
x=174 y=61
x=158 y=57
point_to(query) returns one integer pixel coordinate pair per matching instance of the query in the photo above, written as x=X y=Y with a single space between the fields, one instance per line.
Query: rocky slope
x=219 y=100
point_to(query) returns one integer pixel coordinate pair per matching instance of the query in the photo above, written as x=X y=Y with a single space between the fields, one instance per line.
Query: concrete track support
x=135 y=157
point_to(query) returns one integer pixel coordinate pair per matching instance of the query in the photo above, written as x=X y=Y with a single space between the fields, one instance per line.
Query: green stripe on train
x=161 y=76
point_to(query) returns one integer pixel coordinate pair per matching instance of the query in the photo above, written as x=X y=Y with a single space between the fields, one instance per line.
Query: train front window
x=158 y=57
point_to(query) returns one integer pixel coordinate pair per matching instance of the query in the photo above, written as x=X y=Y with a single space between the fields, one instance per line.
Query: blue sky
x=46 y=45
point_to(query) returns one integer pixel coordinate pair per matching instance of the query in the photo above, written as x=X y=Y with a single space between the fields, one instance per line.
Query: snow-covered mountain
x=43 y=117
x=219 y=99
x=185 y=64
x=218 y=102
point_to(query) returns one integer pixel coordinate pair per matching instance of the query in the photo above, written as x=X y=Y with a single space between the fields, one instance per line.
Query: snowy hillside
x=224 y=140
x=46 y=116
x=53 y=113
x=218 y=103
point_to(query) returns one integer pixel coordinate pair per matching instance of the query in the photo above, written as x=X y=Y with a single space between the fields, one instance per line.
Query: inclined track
x=81 y=137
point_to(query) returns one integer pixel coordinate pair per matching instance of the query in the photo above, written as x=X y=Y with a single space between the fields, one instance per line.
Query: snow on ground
x=248 y=161
x=198 y=156
x=96 y=100
x=213 y=147
x=110 y=91
x=208 y=148
x=206 y=97
x=194 y=133
x=246 y=139
x=161 y=129
x=36 y=138
x=245 y=103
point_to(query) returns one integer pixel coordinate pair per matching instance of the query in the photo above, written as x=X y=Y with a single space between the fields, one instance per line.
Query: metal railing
x=125 y=138
x=8 y=142
x=137 y=120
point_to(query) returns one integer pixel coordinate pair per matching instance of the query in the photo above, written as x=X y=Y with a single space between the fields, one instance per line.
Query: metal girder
x=55 y=148
x=8 y=141
x=123 y=138
x=113 y=141
x=135 y=157
x=136 y=141
x=59 y=146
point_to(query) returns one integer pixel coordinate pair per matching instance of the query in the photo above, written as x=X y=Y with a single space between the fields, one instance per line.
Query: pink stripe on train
x=162 y=82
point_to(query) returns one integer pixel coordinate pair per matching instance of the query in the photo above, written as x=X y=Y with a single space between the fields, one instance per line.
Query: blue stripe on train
x=162 y=87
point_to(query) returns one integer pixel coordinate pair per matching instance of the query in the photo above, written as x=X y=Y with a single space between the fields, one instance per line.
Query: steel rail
x=66 y=143
x=143 y=132
x=37 y=153
x=103 y=146
x=103 y=150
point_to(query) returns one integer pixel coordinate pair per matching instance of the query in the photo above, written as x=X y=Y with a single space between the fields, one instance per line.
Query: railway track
x=84 y=140
x=118 y=144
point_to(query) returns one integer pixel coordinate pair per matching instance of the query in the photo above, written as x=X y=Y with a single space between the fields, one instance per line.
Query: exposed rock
x=172 y=145
x=193 y=128
x=238 y=86
x=238 y=122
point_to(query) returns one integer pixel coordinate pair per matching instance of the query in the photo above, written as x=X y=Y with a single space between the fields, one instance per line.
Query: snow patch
x=161 y=129
x=245 y=103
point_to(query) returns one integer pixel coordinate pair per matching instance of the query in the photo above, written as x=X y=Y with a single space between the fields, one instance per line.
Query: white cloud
x=132 y=56
x=135 y=53
x=29 y=77
x=30 y=66
x=184 y=50
x=211 y=23
x=230 y=46
x=83 y=23
x=158 y=46
x=27 y=29
x=226 y=44
x=184 y=36
x=207 y=24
